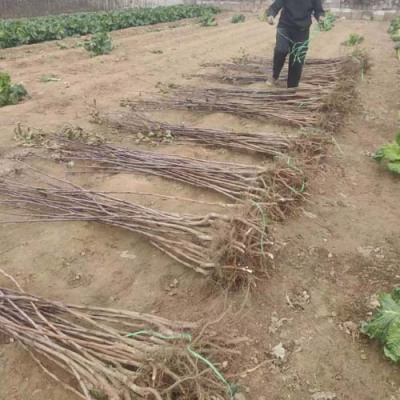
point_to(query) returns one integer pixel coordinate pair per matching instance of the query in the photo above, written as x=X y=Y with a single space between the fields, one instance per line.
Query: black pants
x=295 y=43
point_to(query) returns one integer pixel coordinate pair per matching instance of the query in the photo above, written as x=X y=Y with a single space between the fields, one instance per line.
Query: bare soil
x=342 y=248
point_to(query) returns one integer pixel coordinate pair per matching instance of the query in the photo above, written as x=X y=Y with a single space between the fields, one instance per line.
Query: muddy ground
x=341 y=248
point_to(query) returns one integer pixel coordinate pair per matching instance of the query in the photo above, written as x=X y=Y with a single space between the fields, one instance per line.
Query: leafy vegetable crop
x=100 y=43
x=10 y=93
x=208 y=19
x=238 y=18
x=385 y=324
x=353 y=40
x=35 y=30
x=390 y=155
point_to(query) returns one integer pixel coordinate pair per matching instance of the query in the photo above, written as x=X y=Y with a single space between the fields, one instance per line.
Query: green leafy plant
x=353 y=40
x=385 y=324
x=208 y=19
x=62 y=46
x=397 y=48
x=329 y=22
x=10 y=93
x=18 y=32
x=100 y=43
x=394 y=31
x=390 y=155
x=156 y=51
x=238 y=18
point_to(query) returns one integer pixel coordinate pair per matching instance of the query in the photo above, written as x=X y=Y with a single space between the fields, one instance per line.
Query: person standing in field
x=292 y=35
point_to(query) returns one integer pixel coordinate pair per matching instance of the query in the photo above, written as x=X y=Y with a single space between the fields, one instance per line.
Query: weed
x=397 y=48
x=100 y=43
x=390 y=155
x=77 y=45
x=208 y=19
x=353 y=40
x=238 y=18
x=62 y=45
x=10 y=93
x=329 y=22
x=394 y=29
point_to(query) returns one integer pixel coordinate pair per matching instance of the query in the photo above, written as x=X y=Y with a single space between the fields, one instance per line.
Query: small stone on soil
x=324 y=396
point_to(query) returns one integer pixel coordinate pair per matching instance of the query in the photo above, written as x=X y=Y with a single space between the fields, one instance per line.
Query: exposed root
x=185 y=238
x=100 y=353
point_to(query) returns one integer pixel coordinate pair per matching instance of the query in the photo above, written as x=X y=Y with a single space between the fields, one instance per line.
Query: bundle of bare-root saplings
x=275 y=189
x=144 y=125
x=146 y=129
x=230 y=248
x=100 y=353
x=320 y=106
x=318 y=71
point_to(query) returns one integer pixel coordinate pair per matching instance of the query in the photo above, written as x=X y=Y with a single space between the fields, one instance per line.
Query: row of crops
x=35 y=30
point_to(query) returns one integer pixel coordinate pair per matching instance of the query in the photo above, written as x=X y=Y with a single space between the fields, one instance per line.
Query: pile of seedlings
x=150 y=131
x=293 y=107
x=321 y=106
x=227 y=247
x=317 y=72
x=144 y=126
x=238 y=182
x=100 y=353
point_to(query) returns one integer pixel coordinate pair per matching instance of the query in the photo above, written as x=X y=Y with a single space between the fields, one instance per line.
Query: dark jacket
x=296 y=13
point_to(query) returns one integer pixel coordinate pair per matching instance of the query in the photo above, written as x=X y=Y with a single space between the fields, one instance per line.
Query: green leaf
x=385 y=316
x=9 y=93
x=398 y=138
x=396 y=295
x=394 y=167
x=378 y=156
x=385 y=324
x=391 y=152
x=392 y=348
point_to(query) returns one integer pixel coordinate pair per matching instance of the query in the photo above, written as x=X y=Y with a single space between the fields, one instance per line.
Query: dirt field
x=342 y=248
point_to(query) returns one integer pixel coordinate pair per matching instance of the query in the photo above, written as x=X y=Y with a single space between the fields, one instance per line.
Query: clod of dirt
x=351 y=328
x=277 y=323
x=278 y=352
x=174 y=284
x=374 y=302
x=299 y=301
x=324 y=396
x=309 y=214
x=126 y=254
x=239 y=396
x=365 y=251
x=113 y=298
